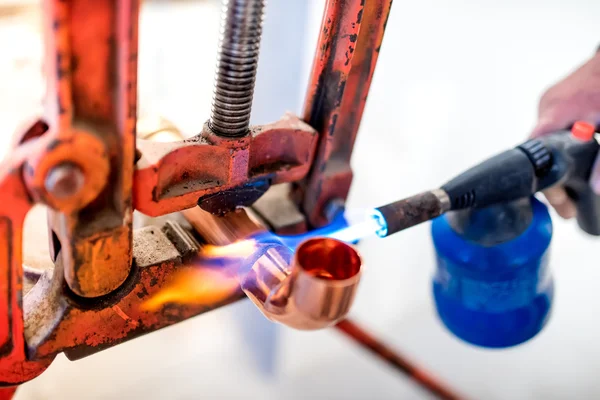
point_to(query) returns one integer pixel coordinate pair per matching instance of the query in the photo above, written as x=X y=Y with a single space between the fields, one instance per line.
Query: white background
x=456 y=81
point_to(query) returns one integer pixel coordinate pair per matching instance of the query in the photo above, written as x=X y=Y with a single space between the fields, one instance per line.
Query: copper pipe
x=397 y=361
x=221 y=231
x=314 y=291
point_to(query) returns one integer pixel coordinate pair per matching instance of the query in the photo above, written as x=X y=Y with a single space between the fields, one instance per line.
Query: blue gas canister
x=492 y=285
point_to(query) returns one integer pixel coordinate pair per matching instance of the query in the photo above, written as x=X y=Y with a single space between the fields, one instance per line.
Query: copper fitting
x=310 y=289
x=314 y=291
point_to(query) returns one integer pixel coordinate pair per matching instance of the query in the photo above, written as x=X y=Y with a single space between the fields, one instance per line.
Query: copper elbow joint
x=311 y=289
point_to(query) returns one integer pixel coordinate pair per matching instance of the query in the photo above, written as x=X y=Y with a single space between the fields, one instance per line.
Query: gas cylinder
x=492 y=284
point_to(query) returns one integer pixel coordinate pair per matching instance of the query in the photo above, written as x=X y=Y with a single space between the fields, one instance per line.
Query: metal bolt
x=64 y=180
x=241 y=30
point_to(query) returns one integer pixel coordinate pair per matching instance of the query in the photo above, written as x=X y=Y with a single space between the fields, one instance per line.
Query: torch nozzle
x=402 y=214
x=354 y=225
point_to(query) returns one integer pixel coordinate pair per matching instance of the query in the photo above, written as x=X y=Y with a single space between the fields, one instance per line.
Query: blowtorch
x=492 y=284
x=564 y=157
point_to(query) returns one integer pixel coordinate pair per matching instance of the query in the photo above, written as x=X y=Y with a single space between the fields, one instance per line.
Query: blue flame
x=341 y=228
x=382 y=225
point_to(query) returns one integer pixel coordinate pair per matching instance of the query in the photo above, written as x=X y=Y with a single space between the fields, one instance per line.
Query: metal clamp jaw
x=82 y=161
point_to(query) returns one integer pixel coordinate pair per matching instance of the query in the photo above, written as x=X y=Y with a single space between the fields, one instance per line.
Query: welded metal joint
x=237 y=62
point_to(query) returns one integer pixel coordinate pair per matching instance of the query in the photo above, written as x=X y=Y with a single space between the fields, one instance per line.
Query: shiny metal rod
x=237 y=62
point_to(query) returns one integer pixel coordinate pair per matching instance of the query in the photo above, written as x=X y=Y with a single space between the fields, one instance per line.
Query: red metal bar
x=15 y=368
x=92 y=68
x=348 y=47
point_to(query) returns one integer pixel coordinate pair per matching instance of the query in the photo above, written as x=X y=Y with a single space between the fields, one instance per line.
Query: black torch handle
x=559 y=158
x=580 y=191
x=556 y=159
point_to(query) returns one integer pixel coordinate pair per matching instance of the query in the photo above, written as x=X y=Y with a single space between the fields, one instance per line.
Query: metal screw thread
x=237 y=62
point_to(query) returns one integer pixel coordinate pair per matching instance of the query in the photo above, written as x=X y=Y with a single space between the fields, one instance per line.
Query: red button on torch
x=583 y=130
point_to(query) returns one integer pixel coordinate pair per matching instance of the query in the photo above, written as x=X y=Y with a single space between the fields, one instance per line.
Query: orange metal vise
x=83 y=161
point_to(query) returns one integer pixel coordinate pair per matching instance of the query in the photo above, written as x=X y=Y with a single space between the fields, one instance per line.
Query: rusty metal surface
x=92 y=67
x=184 y=242
x=58 y=322
x=14 y=365
x=30 y=278
x=347 y=50
x=172 y=176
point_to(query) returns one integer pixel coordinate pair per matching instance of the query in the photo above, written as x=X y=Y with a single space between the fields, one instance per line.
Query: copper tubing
x=314 y=291
x=396 y=360
x=221 y=231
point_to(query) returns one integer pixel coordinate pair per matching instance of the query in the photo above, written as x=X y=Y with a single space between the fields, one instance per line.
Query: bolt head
x=64 y=180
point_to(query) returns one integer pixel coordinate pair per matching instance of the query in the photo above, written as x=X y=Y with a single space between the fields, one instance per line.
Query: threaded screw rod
x=237 y=62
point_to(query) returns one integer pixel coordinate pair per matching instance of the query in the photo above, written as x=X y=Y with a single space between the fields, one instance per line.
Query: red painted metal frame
x=172 y=176
x=15 y=367
x=91 y=61
x=92 y=300
x=348 y=47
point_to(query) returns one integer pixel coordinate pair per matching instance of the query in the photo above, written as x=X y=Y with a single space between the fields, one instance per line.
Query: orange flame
x=240 y=249
x=198 y=285
x=195 y=287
